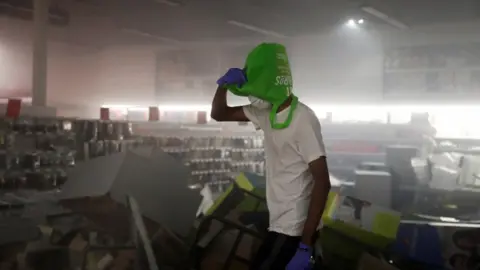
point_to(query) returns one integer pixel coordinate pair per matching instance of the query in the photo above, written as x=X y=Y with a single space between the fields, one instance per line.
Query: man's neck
x=285 y=104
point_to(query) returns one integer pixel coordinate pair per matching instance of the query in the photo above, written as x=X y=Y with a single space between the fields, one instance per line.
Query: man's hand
x=220 y=109
x=234 y=76
x=302 y=259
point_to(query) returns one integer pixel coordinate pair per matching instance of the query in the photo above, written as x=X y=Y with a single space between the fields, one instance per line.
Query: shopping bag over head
x=269 y=78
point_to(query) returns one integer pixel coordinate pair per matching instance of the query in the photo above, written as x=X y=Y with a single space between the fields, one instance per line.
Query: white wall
x=84 y=81
x=347 y=66
x=79 y=79
x=341 y=67
x=126 y=76
x=15 y=68
x=337 y=68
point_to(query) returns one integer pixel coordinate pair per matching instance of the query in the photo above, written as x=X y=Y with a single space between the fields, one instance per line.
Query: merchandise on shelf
x=35 y=153
x=214 y=160
x=102 y=137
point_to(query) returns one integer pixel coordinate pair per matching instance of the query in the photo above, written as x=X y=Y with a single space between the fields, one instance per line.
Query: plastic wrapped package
x=6 y=139
x=6 y=124
x=70 y=159
x=445 y=170
x=22 y=125
x=97 y=148
x=25 y=142
x=40 y=125
x=56 y=141
x=106 y=131
x=66 y=159
x=422 y=169
x=44 y=143
x=118 y=131
x=113 y=146
x=127 y=130
x=61 y=176
x=38 y=180
x=90 y=130
x=470 y=171
x=48 y=159
x=14 y=160
x=46 y=125
x=14 y=180
x=30 y=161
x=174 y=142
x=66 y=125
x=5 y=163
x=54 y=126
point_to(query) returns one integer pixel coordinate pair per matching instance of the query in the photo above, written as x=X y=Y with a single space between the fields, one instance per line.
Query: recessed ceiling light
x=148 y=35
x=351 y=23
x=257 y=29
x=382 y=16
x=169 y=3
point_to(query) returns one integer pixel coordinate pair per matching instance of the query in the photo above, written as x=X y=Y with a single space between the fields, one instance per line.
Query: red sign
x=201 y=117
x=14 y=106
x=104 y=114
x=153 y=114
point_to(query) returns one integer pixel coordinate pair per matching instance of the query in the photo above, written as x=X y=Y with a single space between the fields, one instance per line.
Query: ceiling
x=174 y=22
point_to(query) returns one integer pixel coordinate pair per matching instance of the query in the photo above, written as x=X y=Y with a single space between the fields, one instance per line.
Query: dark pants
x=275 y=252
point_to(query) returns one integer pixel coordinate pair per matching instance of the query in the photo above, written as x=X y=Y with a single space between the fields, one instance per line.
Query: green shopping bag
x=269 y=78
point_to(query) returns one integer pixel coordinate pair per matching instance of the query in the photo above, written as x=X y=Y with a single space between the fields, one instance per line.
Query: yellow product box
x=233 y=198
x=369 y=224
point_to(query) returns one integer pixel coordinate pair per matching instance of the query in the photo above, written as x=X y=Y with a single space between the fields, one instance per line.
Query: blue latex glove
x=234 y=76
x=302 y=259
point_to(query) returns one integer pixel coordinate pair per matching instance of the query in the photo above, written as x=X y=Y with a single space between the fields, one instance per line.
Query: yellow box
x=367 y=223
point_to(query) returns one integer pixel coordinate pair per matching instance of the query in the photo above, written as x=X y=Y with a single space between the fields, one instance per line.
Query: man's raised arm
x=221 y=112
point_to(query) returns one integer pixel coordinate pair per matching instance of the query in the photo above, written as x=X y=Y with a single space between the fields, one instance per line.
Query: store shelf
x=214 y=159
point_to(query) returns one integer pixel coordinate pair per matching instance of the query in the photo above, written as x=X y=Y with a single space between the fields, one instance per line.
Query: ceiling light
x=168 y=3
x=257 y=29
x=361 y=21
x=384 y=17
x=351 y=23
x=148 y=35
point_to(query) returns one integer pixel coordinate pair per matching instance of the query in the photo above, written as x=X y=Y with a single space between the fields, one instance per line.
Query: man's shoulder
x=305 y=108
x=305 y=113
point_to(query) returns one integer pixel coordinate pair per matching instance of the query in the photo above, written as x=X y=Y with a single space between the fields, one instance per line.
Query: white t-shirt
x=288 y=152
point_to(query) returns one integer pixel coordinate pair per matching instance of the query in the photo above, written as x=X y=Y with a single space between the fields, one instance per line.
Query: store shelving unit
x=214 y=154
x=35 y=153
x=215 y=160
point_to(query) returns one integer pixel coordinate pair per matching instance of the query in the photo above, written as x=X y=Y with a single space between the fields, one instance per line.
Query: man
x=296 y=173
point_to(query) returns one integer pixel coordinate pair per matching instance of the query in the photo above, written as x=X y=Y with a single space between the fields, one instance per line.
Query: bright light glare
x=449 y=120
x=351 y=23
x=185 y=108
x=168 y=108
x=361 y=21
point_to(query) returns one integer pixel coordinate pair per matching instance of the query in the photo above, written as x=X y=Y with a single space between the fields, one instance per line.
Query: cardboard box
x=216 y=255
x=233 y=199
x=368 y=262
x=367 y=223
x=123 y=260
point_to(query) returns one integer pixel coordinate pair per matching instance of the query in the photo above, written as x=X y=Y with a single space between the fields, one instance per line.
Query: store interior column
x=39 y=83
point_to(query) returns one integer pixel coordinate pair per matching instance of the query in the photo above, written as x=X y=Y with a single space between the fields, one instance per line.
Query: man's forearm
x=219 y=103
x=321 y=188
